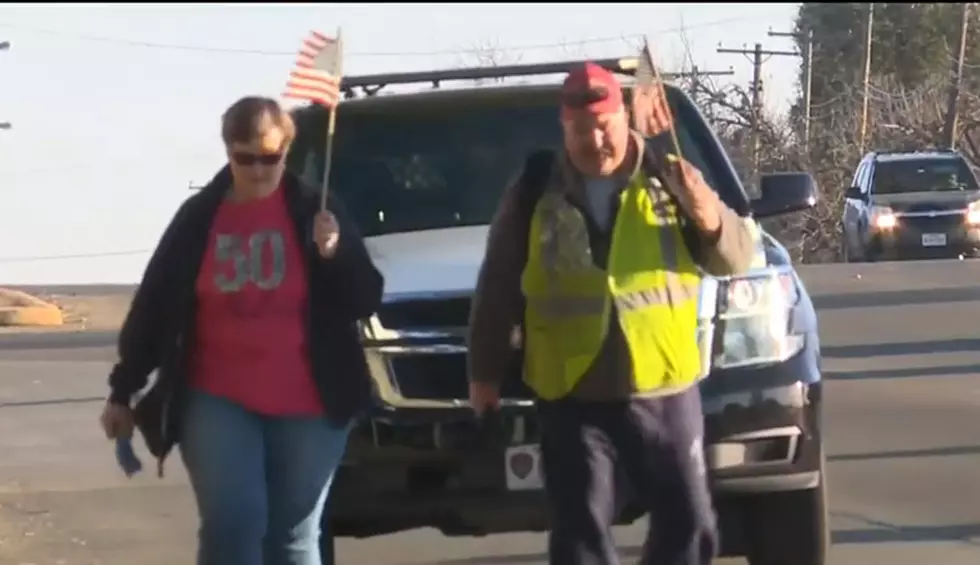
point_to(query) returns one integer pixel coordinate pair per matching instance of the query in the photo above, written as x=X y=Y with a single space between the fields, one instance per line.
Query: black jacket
x=160 y=326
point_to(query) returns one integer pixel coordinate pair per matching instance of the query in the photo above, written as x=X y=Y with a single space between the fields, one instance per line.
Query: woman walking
x=248 y=309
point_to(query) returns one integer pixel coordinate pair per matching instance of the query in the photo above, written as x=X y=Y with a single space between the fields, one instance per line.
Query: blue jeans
x=261 y=483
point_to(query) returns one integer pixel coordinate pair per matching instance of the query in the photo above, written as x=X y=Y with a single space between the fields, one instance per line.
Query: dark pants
x=656 y=445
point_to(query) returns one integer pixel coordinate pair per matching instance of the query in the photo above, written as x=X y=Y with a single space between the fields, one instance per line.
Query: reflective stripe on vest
x=572 y=306
x=651 y=279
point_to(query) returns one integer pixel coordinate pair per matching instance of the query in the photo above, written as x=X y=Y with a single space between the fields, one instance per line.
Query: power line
x=38 y=258
x=5 y=46
x=111 y=163
x=263 y=52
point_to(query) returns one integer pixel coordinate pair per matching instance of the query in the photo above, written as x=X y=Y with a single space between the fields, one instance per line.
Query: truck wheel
x=790 y=528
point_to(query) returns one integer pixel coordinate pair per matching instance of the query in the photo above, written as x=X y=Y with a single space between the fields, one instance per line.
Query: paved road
x=901 y=350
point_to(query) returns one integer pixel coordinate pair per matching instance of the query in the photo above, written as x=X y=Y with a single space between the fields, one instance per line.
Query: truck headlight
x=756 y=313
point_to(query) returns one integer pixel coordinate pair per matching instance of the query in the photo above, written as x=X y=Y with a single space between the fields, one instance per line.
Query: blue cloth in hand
x=126 y=457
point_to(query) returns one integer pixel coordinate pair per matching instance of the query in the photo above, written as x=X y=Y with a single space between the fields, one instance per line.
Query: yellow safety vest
x=651 y=278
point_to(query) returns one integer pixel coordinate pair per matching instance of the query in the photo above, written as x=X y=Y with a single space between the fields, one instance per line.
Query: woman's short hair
x=242 y=121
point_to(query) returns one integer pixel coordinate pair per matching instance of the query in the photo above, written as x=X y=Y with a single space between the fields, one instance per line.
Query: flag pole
x=331 y=127
x=658 y=84
x=658 y=81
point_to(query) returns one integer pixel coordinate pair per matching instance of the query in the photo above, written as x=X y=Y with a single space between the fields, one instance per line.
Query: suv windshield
x=923 y=175
x=438 y=160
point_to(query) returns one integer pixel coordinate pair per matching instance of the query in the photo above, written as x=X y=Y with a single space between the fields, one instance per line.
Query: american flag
x=651 y=110
x=650 y=97
x=645 y=70
x=317 y=72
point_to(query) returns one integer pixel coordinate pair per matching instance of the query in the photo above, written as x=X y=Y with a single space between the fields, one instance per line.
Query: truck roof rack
x=919 y=149
x=371 y=84
x=915 y=149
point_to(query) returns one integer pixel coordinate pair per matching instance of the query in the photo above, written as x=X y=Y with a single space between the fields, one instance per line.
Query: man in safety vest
x=594 y=252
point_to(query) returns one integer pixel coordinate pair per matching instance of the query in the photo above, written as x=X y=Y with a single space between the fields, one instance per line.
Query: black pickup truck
x=422 y=173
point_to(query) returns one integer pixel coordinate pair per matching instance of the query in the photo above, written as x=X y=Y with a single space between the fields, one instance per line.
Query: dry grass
x=95 y=313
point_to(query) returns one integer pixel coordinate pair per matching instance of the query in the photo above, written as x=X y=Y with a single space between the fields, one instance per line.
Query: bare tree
x=899 y=119
x=489 y=53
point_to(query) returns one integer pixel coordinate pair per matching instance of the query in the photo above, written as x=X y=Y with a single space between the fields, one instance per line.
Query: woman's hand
x=117 y=421
x=326 y=233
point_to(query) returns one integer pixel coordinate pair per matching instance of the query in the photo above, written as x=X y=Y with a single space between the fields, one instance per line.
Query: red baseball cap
x=591 y=89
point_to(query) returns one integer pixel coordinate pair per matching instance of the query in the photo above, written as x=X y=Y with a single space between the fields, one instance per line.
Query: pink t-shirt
x=251 y=344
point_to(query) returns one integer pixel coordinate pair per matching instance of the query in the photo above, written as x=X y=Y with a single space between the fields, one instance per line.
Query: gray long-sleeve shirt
x=498 y=303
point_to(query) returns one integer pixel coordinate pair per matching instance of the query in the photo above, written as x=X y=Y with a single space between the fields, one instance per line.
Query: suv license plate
x=522 y=466
x=933 y=239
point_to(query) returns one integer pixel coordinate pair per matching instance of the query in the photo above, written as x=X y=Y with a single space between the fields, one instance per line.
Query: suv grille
x=939 y=224
x=929 y=207
x=426 y=313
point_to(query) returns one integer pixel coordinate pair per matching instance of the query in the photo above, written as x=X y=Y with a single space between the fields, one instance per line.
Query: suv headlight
x=973 y=213
x=883 y=217
x=756 y=317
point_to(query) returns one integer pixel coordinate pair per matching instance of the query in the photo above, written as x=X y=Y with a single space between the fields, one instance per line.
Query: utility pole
x=757 y=53
x=869 y=27
x=956 y=79
x=806 y=37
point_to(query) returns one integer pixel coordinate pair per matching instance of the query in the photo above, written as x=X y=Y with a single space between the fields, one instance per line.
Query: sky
x=115 y=109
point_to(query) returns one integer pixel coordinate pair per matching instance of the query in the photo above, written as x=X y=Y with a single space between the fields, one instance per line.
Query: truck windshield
x=429 y=162
x=923 y=175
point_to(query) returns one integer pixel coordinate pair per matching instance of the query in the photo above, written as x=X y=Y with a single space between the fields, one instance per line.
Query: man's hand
x=326 y=234
x=698 y=200
x=653 y=119
x=484 y=397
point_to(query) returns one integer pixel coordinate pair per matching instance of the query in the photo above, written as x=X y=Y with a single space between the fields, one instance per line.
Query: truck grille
x=427 y=374
x=443 y=377
x=426 y=313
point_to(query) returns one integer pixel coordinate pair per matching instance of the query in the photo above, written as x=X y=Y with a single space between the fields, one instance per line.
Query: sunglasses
x=582 y=98
x=248 y=159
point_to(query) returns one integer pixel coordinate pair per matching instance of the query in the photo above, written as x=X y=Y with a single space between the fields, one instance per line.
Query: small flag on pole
x=317 y=74
x=652 y=114
x=645 y=69
x=651 y=110
x=316 y=77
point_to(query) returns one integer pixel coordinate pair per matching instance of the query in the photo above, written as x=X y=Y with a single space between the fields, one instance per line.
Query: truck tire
x=790 y=528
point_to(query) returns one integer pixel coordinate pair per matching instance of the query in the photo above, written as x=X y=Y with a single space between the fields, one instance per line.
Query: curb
x=27 y=310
